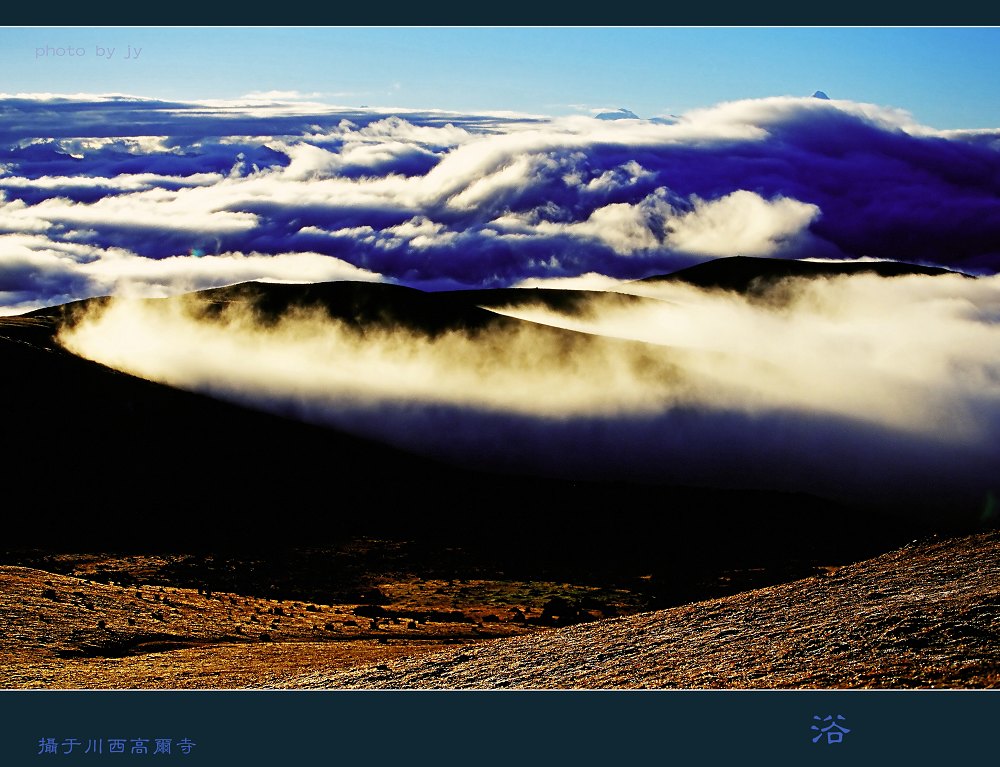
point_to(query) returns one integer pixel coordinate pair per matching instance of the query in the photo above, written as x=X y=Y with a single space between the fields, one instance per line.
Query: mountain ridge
x=753 y=273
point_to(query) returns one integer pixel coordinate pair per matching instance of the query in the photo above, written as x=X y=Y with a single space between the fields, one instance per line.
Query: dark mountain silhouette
x=366 y=304
x=745 y=273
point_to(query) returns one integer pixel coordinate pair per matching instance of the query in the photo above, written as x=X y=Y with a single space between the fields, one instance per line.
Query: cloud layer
x=98 y=192
x=859 y=388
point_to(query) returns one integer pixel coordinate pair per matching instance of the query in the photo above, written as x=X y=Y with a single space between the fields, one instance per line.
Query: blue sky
x=944 y=76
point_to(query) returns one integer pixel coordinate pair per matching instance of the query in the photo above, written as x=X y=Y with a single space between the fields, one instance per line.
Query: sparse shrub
x=331 y=626
x=102 y=624
x=157 y=615
x=559 y=611
x=50 y=594
x=373 y=596
x=312 y=608
x=265 y=637
x=131 y=621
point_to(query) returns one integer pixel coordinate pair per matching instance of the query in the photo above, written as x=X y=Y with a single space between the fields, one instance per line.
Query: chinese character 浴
x=832 y=736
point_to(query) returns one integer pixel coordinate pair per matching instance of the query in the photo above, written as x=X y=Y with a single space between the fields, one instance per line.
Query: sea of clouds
x=116 y=194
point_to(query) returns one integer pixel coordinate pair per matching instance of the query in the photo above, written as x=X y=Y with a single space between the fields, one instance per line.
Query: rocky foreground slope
x=926 y=615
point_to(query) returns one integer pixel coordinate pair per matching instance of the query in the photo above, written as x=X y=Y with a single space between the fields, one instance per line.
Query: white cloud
x=628 y=174
x=774 y=111
x=191 y=209
x=17 y=216
x=277 y=95
x=124 y=182
x=323 y=365
x=588 y=281
x=741 y=223
x=910 y=353
x=132 y=145
x=53 y=272
x=421 y=232
x=308 y=162
x=625 y=228
x=395 y=128
x=168 y=276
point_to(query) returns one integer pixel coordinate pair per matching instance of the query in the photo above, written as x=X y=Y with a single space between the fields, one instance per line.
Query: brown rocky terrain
x=925 y=615
x=112 y=621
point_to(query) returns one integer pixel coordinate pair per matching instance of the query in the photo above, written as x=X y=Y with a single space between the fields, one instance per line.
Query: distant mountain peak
x=619 y=114
x=820 y=95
